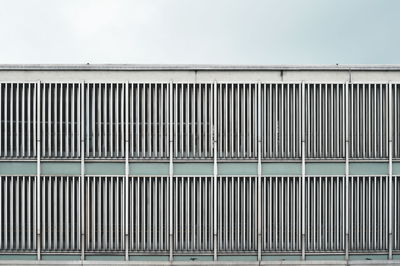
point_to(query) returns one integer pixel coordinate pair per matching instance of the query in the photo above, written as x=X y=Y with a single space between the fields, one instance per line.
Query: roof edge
x=183 y=67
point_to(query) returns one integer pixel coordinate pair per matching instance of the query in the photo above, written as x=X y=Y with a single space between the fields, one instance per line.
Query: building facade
x=213 y=163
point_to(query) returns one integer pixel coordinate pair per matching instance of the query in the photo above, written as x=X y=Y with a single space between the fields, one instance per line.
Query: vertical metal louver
x=237 y=120
x=104 y=210
x=368 y=213
x=281 y=120
x=105 y=120
x=281 y=213
x=396 y=212
x=396 y=120
x=325 y=112
x=17 y=120
x=193 y=213
x=149 y=118
x=60 y=120
x=149 y=213
x=368 y=118
x=325 y=213
x=17 y=213
x=193 y=120
x=60 y=213
x=237 y=213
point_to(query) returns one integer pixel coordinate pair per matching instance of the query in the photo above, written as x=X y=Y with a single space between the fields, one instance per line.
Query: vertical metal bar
x=259 y=140
x=346 y=194
x=214 y=129
x=390 y=177
x=126 y=203
x=171 y=169
x=82 y=174
x=37 y=203
x=303 y=172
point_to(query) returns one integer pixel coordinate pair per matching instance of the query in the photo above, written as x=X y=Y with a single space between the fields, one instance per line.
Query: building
x=226 y=163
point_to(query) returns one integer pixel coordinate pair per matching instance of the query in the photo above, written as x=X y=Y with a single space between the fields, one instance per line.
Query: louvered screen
x=281 y=213
x=105 y=120
x=396 y=212
x=396 y=120
x=60 y=120
x=368 y=118
x=149 y=120
x=325 y=112
x=325 y=213
x=17 y=120
x=193 y=120
x=104 y=210
x=17 y=213
x=237 y=120
x=237 y=213
x=368 y=213
x=149 y=213
x=193 y=213
x=60 y=213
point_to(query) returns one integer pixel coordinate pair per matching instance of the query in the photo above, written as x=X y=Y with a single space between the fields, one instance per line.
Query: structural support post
x=215 y=150
x=82 y=176
x=303 y=173
x=126 y=183
x=171 y=175
x=390 y=199
x=347 y=213
x=38 y=193
x=259 y=171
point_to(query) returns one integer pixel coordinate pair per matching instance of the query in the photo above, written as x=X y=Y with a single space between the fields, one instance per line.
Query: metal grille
x=396 y=212
x=60 y=213
x=193 y=213
x=368 y=114
x=17 y=213
x=325 y=107
x=281 y=213
x=60 y=120
x=325 y=213
x=281 y=118
x=104 y=210
x=368 y=213
x=105 y=120
x=237 y=213
x=396 y=120
x=149 y=118
x=193 y=120
x=17 y=120
x=237 y=120
x=148 y=213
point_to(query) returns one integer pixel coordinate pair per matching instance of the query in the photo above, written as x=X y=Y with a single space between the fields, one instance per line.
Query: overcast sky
x=200 y=32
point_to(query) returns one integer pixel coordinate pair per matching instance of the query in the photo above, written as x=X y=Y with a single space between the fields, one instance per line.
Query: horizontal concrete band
x=196 y=168
x=149 y=263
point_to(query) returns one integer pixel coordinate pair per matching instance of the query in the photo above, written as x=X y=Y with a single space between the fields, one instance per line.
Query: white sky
x=200 y=32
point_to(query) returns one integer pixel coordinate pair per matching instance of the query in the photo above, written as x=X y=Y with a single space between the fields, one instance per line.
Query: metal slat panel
x=396 y=212
x=149 y=120
x=104 y=205
x=325 y=127
x=105 y=122
x=194 y=195
x=281 y=109
x=17 y=213
x=281 y=204
x=368 y=120
x=396 y=120
x=60 y=207
x=368 y=210
x=148 y=213
x=17 y=115
x=60 y=119
x=325 y=213
x=191 y=126
x=237 y=201
x=233 y=119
